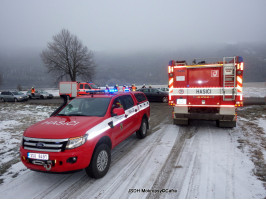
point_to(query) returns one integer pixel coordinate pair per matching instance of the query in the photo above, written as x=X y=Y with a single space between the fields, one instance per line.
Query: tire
x=165 y=99
x=16 y=100
x=2 y=99
x=41 y=97
x=100 y=162
x=142 y=132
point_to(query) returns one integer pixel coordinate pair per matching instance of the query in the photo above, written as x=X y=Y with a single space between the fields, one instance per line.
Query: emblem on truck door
x=215 y=73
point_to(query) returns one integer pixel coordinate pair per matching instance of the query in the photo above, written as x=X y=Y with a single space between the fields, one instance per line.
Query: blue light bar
x=112 y=90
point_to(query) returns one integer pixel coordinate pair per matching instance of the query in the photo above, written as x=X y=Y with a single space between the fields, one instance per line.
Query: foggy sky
x=132 y=25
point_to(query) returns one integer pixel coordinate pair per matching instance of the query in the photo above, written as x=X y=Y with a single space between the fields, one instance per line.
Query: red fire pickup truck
x=82 y=133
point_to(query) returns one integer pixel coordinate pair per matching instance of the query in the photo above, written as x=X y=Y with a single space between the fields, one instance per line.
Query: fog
x=124 y=25
x=136 y=38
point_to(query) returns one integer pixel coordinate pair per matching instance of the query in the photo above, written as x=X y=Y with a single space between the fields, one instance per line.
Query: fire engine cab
x=206 y=90
x=82 y=133
x=74 y=89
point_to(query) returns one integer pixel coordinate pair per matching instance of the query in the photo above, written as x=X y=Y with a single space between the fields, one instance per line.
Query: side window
x=4 y=93
x=81 y=86
x=87 y=86
x=154 y=90
x=140 y=97
x=117 y=103
x=146 y=90
x=127 y=101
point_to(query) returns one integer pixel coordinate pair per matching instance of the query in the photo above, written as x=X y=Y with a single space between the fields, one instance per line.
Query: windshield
x=93 y=86
x=15 y=93
x=86 y=107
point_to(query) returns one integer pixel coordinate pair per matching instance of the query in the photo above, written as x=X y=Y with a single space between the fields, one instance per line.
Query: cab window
x=117 y=103
x=127 y=101
x=140 y=97
x=87 y=86
x=81 y=86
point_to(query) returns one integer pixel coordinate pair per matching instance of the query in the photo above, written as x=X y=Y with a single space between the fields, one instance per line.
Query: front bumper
x=68 y=160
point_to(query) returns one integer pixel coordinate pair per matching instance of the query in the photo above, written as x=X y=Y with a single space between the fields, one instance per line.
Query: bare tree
x=67 y=57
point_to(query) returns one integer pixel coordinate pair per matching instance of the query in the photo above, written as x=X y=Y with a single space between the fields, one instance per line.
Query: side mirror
x=118 y=111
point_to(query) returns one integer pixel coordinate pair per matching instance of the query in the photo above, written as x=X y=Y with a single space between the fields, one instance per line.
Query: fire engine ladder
x=229 y=79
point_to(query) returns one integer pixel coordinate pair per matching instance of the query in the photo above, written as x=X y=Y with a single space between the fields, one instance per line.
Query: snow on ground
x=198 y=161
x=14 y=119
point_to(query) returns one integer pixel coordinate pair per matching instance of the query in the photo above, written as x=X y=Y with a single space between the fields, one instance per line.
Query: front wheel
x=100 y=162
x=16 y=100
x=142 y=132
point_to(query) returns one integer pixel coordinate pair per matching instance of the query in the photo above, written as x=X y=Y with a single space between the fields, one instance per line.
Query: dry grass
x=253 y=139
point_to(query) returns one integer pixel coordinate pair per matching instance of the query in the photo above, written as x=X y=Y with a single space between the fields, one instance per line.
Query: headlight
x=76 y=142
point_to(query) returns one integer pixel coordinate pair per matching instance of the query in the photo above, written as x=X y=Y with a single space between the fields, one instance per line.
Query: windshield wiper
x=76 y=115
x=61 y=115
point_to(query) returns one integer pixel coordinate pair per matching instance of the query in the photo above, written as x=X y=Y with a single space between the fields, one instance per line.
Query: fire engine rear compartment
x=204 y=91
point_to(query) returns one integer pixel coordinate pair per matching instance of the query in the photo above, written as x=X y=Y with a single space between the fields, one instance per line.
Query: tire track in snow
x=121 y=168
x=170 y=164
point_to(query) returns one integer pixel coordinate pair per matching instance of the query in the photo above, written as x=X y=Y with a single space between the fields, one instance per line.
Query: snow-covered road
x=198 y=161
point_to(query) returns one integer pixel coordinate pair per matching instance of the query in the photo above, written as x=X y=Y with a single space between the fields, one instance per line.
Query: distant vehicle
x=75 y=89
x=154 y=94
x=40 y=95
x=13 y=96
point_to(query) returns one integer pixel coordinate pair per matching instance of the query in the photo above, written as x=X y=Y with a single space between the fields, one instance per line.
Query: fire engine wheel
x=165 y=99
x=142 y=132
x=226 y=124
x=100 y=162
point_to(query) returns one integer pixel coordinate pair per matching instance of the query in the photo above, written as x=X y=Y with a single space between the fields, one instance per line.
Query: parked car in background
x=13 y=96
x=154 y=94
x=40 y=94
x=165 y=89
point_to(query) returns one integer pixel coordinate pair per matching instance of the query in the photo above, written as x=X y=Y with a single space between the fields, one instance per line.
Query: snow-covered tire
x=16 y=100
x=165 y=99
x=142 y=132
x=100 y=162
x=2 y=99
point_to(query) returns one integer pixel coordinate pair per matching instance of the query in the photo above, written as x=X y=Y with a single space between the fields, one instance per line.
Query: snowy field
x=198 y=161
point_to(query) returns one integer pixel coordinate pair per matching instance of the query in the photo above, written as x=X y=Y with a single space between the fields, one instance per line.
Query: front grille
x=47 y=145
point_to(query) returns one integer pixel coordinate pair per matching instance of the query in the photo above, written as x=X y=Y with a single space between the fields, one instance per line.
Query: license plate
x=181 y=101
x=38 y=156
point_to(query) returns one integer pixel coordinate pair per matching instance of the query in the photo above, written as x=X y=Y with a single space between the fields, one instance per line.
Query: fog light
x=72 y=160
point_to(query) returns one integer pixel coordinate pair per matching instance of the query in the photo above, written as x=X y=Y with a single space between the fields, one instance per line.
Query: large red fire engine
x=209 y=91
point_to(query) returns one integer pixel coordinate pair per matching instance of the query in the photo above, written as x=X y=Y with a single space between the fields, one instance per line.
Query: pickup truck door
x=131 y=114
x=119 y=122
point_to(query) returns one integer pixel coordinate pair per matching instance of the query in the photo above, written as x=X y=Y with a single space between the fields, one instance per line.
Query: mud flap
x=226 y=124
x=180 y=121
